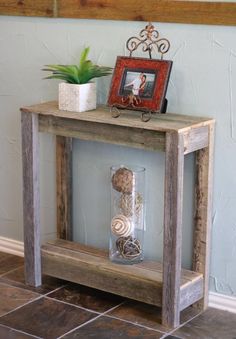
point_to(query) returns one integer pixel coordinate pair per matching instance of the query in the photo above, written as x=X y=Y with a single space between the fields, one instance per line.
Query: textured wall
x=203 y=82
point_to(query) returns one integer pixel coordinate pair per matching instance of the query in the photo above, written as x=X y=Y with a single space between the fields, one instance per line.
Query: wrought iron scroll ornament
x=148 y=39
x=145 y=115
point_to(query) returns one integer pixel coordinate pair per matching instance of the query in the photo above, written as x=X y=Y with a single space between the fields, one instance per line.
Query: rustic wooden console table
x=166 y=284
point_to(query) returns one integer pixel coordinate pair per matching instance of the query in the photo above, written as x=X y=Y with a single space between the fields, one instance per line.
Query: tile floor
x=59 y=309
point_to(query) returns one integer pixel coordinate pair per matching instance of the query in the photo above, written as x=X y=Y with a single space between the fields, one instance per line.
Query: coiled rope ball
x=121 y=226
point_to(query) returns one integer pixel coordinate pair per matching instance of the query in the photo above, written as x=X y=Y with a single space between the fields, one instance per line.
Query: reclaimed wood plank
x=194 y=12
x=51 y=108
x=191 y=293
x=92 y=267
x=119 y=135
x=96 y=272
x=159 y=122
x=173 y=201
x=195 y=139
x=186 y=275
x=30 y=159
x=78 y=247
x=64 y=187
x=41 y=8
x=203 y=213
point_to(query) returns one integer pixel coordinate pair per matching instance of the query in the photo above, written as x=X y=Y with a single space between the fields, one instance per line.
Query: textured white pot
x=77 y=98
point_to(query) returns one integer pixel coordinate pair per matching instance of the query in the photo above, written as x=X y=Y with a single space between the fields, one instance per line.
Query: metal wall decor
x=141 y=83
x=148 y=39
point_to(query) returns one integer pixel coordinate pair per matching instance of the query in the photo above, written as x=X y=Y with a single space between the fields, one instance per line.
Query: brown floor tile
x=9 y=262
x=9 y=333
x=16 y=278
x=147 y=315
x=212 y=324
x=107 y=328
x=12 y=297
x=4 y=255
x=87 y=297
x=188 y=314
x=46 y=318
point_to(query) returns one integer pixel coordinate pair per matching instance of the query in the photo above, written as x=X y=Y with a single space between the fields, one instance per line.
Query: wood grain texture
x=42 y=8
x=195 y=139
x=30 y=159
x=113 y=134
x=64 y=187
x=173 y=201
x=191 y=294
x=92 y=267
x=186 y=277
x=203 y=215
x=194 y=12
x=159 y=122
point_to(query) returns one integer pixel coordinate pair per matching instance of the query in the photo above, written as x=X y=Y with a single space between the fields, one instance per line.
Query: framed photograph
x=139 y=84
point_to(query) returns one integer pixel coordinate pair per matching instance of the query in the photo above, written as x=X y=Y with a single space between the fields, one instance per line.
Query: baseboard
x=222 y=302
x=12 y=246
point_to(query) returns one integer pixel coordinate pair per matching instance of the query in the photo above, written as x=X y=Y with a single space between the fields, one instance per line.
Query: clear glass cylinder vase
x=127 y=214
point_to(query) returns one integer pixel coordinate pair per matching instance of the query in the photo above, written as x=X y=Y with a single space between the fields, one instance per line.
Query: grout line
x=183 y=324
x=91 y=320
x=164 y=336
x=76 y=328
x=109 y=316
x=130 y=322
x=55 y=290
x=20 y=331
x=9 y=283
x=14 y=269
x=136 y=324
x=167 y=334
x=17 y=308
x=114 y=307
x=77 y=306
x=18 y=287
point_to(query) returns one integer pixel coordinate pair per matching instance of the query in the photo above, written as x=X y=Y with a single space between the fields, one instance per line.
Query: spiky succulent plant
x=78 y=74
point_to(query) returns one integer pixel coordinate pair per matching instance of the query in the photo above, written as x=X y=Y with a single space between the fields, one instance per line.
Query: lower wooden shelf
x=91 y=267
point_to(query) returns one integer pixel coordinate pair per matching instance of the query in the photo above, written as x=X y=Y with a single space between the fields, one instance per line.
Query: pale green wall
x=203 y=82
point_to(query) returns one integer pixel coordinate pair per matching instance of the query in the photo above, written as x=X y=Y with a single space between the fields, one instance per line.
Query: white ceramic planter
x=77 y=98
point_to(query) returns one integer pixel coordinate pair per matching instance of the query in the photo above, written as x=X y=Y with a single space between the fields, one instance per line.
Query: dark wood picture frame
x=147 y=89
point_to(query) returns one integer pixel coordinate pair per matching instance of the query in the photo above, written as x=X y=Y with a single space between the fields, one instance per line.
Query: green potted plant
x=77 y=93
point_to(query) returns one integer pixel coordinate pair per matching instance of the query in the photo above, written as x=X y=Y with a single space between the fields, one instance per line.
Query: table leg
x=174 y=169
x=31 y=210
x=203 y=201
x=64 y=187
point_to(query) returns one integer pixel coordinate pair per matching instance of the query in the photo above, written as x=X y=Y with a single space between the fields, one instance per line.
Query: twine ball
x=122 y=180
x=121 y=226
x=129 y=248
x=131 y=204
